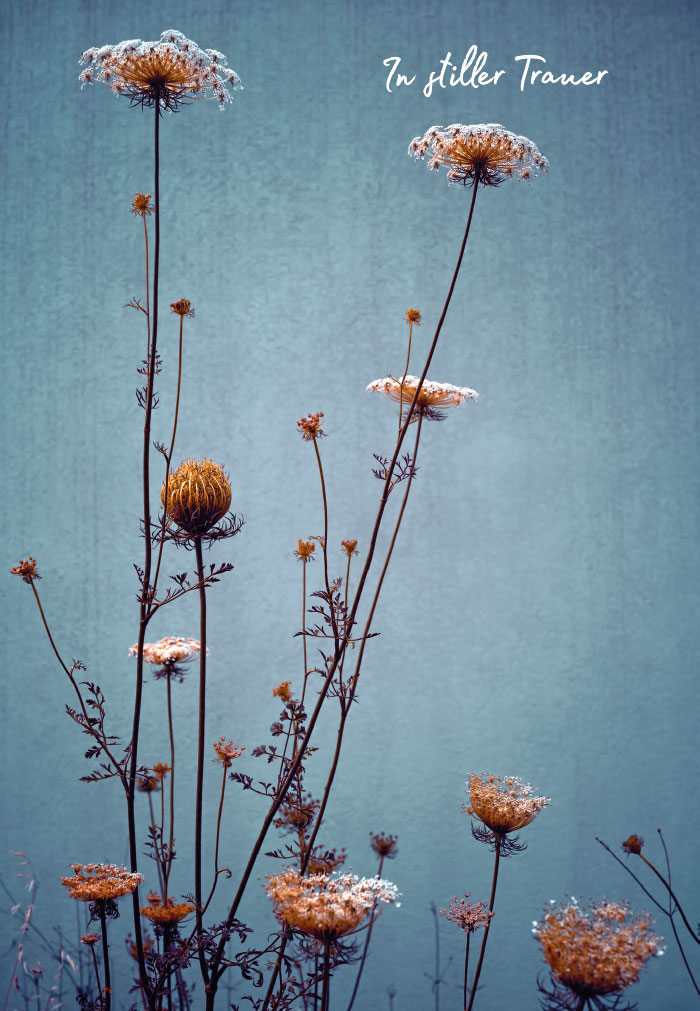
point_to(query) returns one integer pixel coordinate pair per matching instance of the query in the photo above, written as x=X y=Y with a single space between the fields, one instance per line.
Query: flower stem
x=466 y=967
x=670 y=891
x=487 y=925
x=326 y=991
x=200 y=749
x=97 y=972
x=405 y=371
x=107 y=1003
x=366 y=947
x=325 y=544
x=171 y=839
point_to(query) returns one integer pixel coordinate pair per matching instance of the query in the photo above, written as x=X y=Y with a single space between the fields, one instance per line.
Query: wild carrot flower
x=148 y=784
x=163 y=73
x=486 y=152
x=432 y=399
x=141 y=204
x=183 y=307
x=165 y=914
x=597 y=950
x=325 y=861
x=327 y=907
x=413 y=316
x=90 y=939
x=467 y=915
x=100 y=881
x=199 y=494
x=170 y=650
x=633 y=845
x=160 y=770
x=349 y=547
x=26 y=569
x=384 y=845
x=305 y=550
x=310 y=427
x=282 y=691
x=503 y=804
x=226 y=752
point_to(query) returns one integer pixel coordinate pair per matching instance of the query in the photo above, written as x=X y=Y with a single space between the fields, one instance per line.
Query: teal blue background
x=540 y=618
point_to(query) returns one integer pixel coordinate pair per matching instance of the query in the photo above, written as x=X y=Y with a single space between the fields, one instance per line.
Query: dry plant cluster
x=183 y=957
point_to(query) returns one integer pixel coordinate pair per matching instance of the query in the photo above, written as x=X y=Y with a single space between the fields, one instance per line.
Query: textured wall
x=540 y=618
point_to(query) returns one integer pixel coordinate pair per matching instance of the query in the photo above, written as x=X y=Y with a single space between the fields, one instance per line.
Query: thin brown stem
x=487 y=926
x=107 y=1003
x=670 y=891
x=326 y=989
x=367 y=940
x=171 y=837
x=148 y=289
x=97 y=972
x=200 y=749
x=405 y=371
x=466 y=967
x=325 y=543
x=157 y=846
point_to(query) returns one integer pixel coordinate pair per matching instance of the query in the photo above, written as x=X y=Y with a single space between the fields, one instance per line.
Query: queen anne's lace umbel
x=327 y=907
x=161 y=73
x=485 y=152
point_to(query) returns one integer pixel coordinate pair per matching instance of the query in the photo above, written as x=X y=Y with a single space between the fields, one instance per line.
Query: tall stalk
x=107 y=1003
x=200 y=750
x=487 y=925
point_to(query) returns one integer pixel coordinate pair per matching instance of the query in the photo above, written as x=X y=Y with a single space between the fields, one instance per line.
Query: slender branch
x=366 y=947
x=670 y=891
x=97 y=972
x=200 y=750
x=171 y=838
x=331 y=609
x=487 y=925
x=107 y=1004
x=671 y=912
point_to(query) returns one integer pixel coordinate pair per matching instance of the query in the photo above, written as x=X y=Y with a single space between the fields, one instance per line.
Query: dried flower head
x=305 y=550
x=468 y=915
x=282 y=691
x=148 y=784
x=327 y=907
x=198 y=495
x=597 y=950
x=486 y=153
x=226 y=751
x=170 y=650
x=141 y=204
x=166 y=913
x=503 y=803
x=325 y=861
x=183 y=307
x=310 y=427
x=90 y=939
x=100 y=881
x=133 y=950
x=349 y=547
x=384 y=845
x=413 y=317
x=433 y=398
x=633 y=845
x=160 y=770
x=295 y=814
x=26 y=569
x=161 y=74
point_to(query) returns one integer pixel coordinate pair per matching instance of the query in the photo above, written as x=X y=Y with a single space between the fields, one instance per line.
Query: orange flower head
x=226 y=752
x=485 y=153
x=160 y=770
x=183 y=307
x=633 y=845
x=327 y=907
x=384 y=845
x=349 y=547
x=413 y=317
x=198 y=495
x=310 y=427
x=170 y=650
x=433 y=398
x=282 y=691
x=468 y=915
x=503 y=804
x=163 y=73
x=168 y=913
x=100 y=881
x=148 y=784
x=90 y=939
x=141 y=204
x=305 y=550
x=26 y=569
x=597 y=950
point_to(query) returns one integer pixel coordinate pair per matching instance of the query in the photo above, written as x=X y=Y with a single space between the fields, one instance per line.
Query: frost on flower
x=485 y=153
x=433 y=398
x=324 y=906
x=161 y=73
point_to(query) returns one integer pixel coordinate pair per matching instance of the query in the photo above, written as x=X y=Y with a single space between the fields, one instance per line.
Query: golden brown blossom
x=305 y=550
x=296 y=814
x=325 y=861
x=170 y=650
x=282 y=691
x=160 y=770
x=468 y=915
x=199 y=494
x=182 y=307
x=226 y=752
x=413 y=316
x=326 y=907
x=432 y=399
x=633 y=845
x=485 y=152
x=141 y=204
x=349 y=547
x=503 y=804
x=598 y=950
x=147 y=784
x=166 y=913
x=384 y=845
x=100 y=881
x=310 y=427
x=163 y=73
x=26 y=569
x=90 y=939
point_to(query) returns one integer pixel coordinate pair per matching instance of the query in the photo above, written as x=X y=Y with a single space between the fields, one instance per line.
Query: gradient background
x=540 y=618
